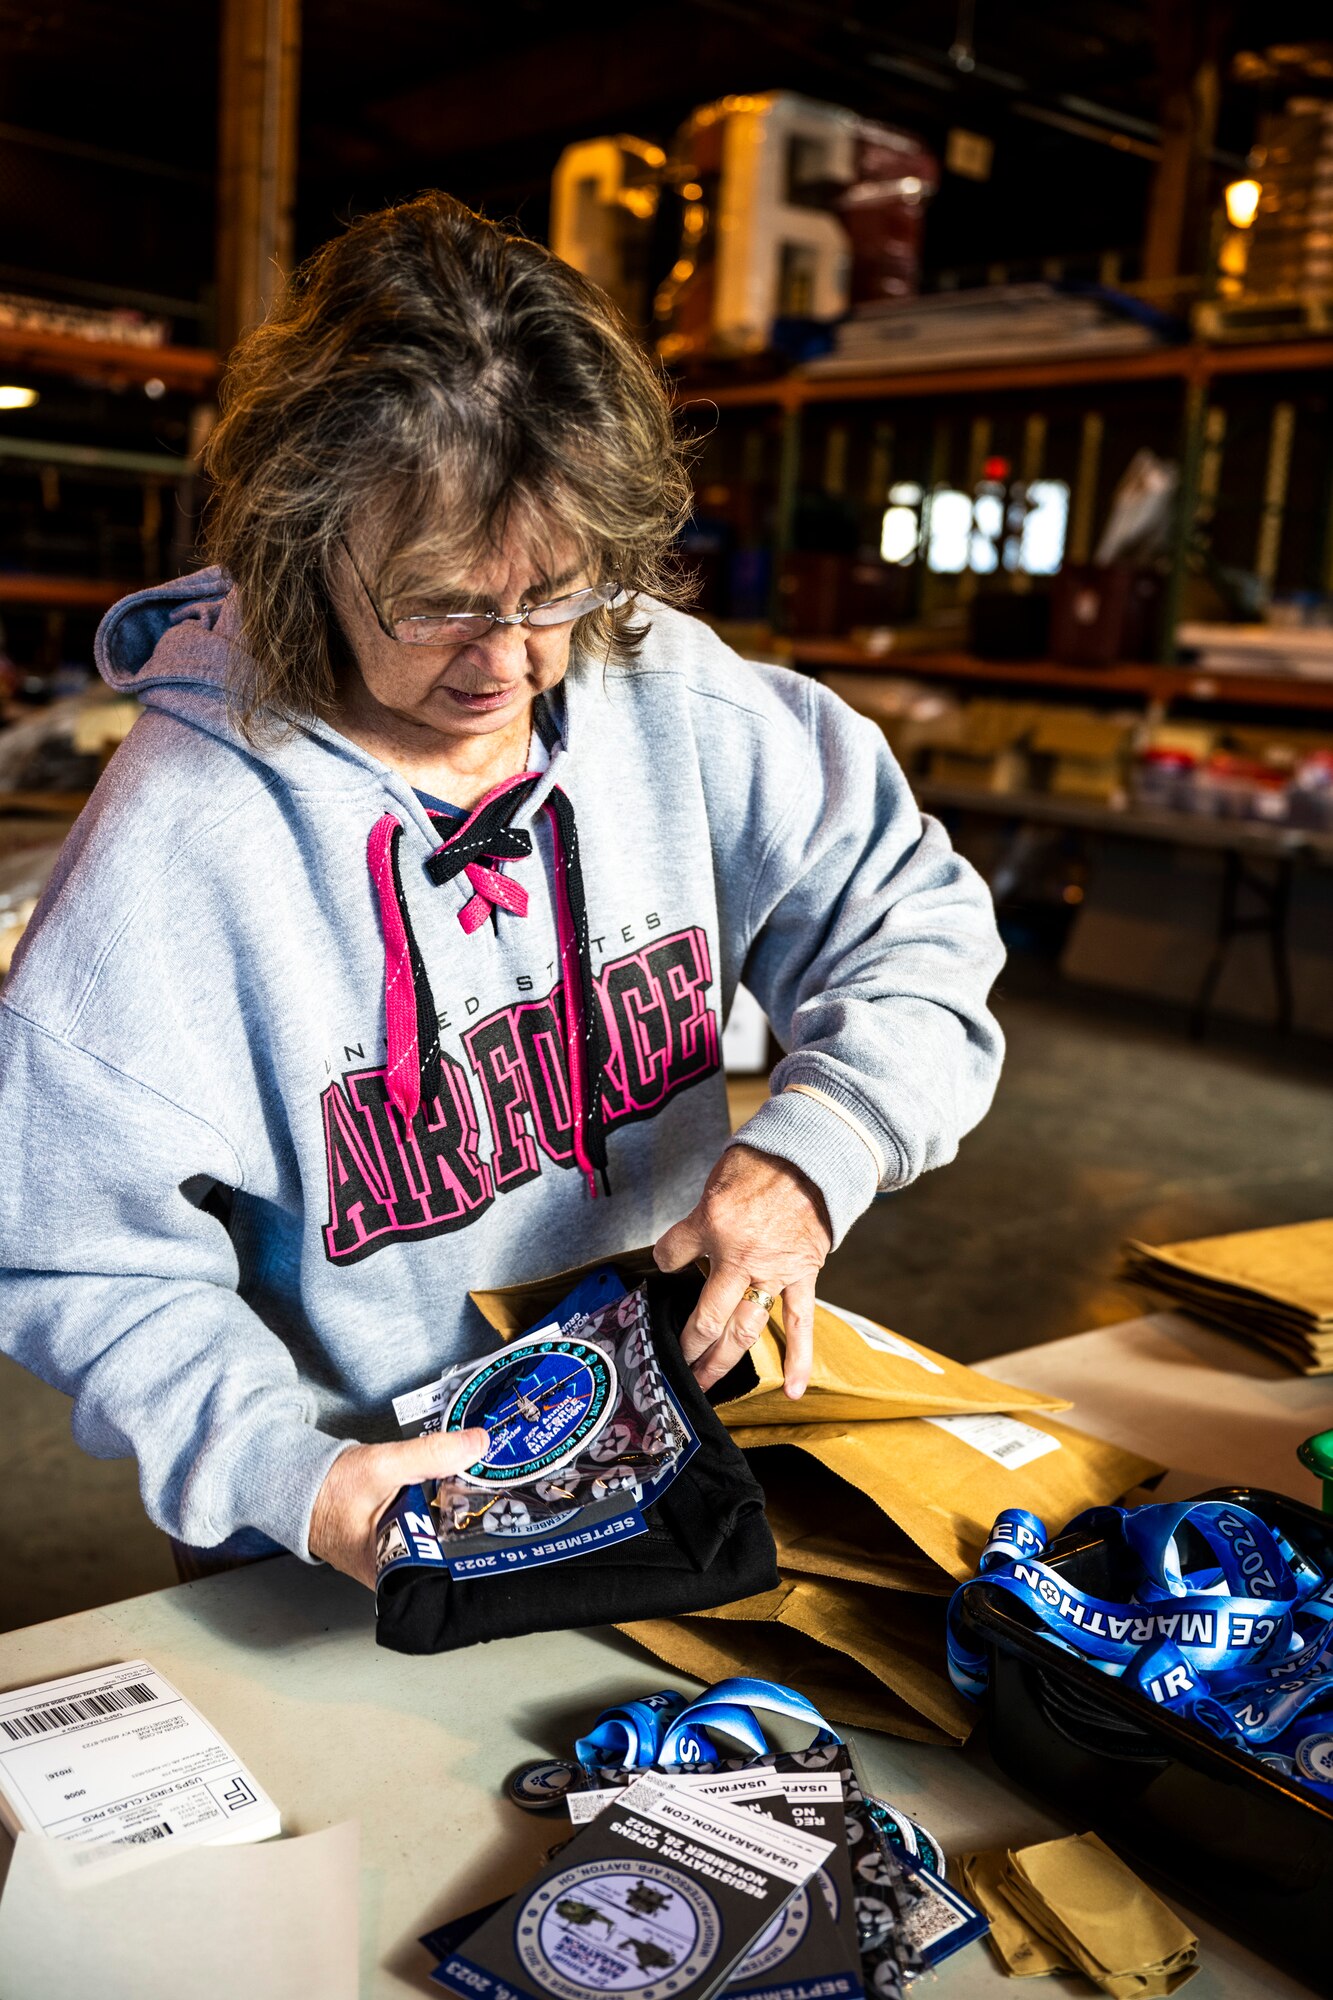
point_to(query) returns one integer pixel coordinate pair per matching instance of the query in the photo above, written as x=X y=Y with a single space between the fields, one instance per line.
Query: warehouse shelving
x=1193 y=363
x=1164 y=686
x=1173 y=387
x=191 y=369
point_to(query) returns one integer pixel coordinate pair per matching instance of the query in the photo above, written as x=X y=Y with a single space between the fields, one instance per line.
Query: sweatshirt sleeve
x=874 y=949
x=119 y=1288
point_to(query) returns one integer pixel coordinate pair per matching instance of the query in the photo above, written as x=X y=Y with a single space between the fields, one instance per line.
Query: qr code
x=931 y=1919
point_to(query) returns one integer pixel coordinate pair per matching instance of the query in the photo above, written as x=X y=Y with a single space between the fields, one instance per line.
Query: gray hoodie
x=286 y=1066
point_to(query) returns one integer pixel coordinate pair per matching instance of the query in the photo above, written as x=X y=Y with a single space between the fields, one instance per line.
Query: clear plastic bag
x=576 y=1421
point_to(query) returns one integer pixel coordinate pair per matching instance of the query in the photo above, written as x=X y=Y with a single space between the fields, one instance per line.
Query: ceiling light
x=1242 y=200
x=14 y=398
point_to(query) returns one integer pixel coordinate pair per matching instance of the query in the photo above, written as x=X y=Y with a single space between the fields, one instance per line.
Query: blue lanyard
x=1239 y=1638
x=665 y=1732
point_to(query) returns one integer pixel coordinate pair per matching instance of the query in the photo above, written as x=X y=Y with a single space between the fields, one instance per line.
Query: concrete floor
x=1108 y=1123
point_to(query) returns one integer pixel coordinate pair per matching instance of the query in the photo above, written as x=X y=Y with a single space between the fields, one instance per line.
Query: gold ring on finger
x=760 y=1297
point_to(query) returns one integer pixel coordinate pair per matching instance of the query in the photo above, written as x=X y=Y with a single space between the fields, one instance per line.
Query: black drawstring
x=489 y=838
x=593 y=1045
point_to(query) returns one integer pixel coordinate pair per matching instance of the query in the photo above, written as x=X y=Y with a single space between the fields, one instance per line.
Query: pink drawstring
x=403 y=1081
x=492 y=889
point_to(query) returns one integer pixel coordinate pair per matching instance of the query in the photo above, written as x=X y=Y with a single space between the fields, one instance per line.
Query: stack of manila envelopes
x=1072 y=1905
x=882 y=1483
x=1270 y=1286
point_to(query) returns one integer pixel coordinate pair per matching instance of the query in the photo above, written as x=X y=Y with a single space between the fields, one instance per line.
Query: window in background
x=1023 y=527
x=948 y=528
x=1042 y=543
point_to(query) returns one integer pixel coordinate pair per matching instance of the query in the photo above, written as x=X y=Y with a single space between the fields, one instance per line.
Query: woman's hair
x=426 y=382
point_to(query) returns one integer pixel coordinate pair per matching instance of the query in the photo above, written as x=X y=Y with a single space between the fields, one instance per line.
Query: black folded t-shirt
x=707 y=1542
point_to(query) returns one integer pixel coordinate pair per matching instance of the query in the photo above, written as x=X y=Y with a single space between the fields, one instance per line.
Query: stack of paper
x=960 y=329
x=1271 y=1286
x=1072 y=1905
x=872 y=1918
x=882 y=1484
x=1305 y=651
x=118 y=1754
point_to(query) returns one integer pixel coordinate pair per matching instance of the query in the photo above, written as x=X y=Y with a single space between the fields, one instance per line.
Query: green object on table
x=1317 y=1454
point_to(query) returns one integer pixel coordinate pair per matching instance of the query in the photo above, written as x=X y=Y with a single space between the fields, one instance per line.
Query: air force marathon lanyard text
x=1240 y=1642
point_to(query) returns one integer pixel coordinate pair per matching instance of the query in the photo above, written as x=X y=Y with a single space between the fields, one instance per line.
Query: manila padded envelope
x=852 y=1381
x=941 y=1491
x=754 y=1637
x=1291 y=1266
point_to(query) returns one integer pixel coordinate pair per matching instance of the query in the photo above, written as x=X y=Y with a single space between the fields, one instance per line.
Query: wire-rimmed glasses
x=454 y=628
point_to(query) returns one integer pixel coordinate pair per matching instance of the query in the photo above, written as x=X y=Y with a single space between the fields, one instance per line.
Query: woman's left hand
x=759 y=1222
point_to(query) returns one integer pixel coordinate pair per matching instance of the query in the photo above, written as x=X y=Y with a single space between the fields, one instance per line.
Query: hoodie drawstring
x=485 y=838
x=411 y=1026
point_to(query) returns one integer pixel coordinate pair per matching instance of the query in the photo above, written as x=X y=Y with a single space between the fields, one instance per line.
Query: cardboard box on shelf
x=1088 y=753
x=985 y=746
x=1102 y=613
x=1191 y=739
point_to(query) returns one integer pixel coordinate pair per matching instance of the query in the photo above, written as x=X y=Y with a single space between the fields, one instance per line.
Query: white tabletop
x=1214 y=1410
x=281 y=1657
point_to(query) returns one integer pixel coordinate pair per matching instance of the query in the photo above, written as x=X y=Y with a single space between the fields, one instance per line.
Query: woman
x=391 y=955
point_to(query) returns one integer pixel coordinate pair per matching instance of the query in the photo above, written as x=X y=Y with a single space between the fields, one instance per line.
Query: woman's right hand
x=364 y=1480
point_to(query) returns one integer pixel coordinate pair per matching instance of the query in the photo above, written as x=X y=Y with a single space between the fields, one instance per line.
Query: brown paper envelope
x=714 y=1649
x=847 y=1561
x=944 y=1493
x=1292 y=1265
x=509 y=1308
x=1269 y=1313
x=1309 y=1352
x=1099 y=1907
x=1023 y=1952
x=900 y=1640
x=824 y=1528
x=853 y=1381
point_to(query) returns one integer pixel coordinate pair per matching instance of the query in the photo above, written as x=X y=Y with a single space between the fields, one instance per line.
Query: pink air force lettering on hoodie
x=390 y=1181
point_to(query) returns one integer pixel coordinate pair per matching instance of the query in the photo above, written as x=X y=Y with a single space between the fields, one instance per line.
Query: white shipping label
x=118 y=1754
x=1004 y=1439
x=418 y=1403
x=878 y=1336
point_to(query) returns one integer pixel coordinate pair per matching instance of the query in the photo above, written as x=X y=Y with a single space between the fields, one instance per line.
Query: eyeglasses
x=454 y=628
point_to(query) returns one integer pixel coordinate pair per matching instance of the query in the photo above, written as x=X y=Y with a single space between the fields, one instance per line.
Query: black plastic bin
x=1252 y=1846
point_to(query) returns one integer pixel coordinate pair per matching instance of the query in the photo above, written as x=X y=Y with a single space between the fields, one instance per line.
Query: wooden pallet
x=1273 y=316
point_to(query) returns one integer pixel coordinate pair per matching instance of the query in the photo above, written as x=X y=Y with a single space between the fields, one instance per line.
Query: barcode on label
x=159 y=1832
x=1003 y=1439
x=79 y=1708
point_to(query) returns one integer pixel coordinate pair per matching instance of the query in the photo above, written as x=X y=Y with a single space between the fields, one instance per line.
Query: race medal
x=543 y=1400
x=543 y=1787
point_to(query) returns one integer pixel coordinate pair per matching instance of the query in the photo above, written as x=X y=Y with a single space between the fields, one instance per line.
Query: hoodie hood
x=175 y=633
